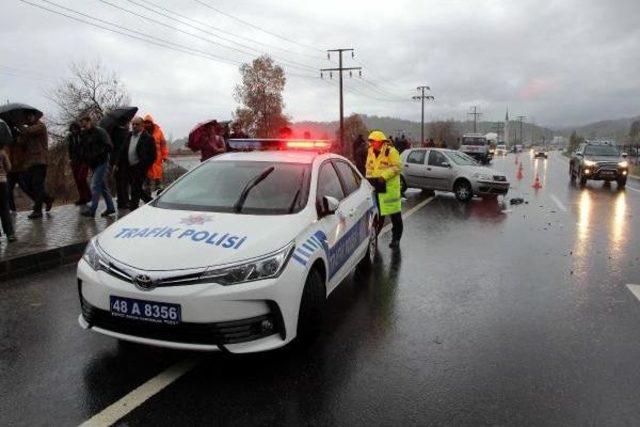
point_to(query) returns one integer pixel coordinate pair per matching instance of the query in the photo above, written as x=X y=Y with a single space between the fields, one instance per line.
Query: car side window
x=416 y=157
x=436 y=158
x=329 y=183
x=348 y=177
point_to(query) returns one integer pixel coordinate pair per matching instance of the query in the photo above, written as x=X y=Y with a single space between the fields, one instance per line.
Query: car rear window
x=601 y=150
x=218 y=187
x=473 y=141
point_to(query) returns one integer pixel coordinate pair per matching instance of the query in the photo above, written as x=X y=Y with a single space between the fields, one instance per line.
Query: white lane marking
x=635 y=290
x=558 y=203
x=633 y=189
x=408 y=213
x=112 y=413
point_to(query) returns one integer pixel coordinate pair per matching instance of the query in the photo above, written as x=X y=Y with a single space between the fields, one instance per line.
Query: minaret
x=506 y=128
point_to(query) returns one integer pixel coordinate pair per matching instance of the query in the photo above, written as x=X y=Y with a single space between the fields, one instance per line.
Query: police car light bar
x=268 y=144
x=309 y=145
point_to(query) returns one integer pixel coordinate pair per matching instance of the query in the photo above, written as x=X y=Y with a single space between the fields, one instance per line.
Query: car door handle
x=428 y=169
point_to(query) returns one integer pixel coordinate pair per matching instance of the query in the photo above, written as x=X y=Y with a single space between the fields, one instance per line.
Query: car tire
x=312 y=308
x=463 y=190
x=622 y=183
x=366 y=263
x=583 y=179
x=403 y=185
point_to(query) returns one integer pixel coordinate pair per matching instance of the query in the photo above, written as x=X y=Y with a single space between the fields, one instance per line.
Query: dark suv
x=601 y=162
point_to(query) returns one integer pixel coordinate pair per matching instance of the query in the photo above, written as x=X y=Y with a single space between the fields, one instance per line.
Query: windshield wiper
x=292 y=206
x=237 y=207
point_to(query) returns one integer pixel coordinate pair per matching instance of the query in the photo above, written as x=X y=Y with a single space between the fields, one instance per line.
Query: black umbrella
x=5 y=134
x=117 y=116
x=16 y=114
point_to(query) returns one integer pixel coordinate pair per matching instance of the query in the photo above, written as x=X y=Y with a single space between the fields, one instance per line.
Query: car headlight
x=265 y=267
x=589 y=163
x=483 y=176
x=92 y=254
x=623 y=164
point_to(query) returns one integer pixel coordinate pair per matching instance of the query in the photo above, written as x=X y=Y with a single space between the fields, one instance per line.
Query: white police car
x=238 y=254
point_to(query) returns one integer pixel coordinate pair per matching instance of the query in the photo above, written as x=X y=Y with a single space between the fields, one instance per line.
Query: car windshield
x=263 y=188
x=473 y=141
x=461 y=159
x=601 y=150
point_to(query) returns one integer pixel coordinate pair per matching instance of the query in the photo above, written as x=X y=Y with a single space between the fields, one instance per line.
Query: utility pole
x=422 y=97
x=521 y=120
x=475 y=115
x=340 y=69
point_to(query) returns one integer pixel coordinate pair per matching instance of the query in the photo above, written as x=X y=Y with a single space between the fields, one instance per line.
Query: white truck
x=476 y=146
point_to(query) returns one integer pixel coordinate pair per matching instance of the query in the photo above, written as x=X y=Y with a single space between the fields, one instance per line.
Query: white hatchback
x=239 y=254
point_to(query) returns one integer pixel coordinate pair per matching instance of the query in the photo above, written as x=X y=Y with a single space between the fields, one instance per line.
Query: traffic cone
x=536 y=183
x=519 y=175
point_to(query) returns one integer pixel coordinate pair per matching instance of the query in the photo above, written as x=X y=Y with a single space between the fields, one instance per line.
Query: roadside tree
x=260 y=95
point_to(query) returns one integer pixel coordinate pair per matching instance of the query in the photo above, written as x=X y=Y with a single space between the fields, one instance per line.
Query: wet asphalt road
x=489 y=315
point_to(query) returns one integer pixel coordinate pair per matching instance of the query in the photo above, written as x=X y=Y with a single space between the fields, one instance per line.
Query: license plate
x=608 y=173
x=146 y=311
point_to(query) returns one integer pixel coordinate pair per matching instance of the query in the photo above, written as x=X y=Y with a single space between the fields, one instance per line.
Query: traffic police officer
x=383 y=171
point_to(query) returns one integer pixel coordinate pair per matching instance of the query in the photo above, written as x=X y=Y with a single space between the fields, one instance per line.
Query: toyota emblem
x=143 y=282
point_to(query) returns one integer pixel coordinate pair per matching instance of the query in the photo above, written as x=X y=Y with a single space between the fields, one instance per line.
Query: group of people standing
x=133 y=151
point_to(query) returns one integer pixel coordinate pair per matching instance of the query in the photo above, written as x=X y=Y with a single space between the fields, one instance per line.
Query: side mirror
x=329 y=205
x=624 y=155
x=445 y=165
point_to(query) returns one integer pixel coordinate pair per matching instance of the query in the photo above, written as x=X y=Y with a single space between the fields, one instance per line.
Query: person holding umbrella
x=117 y=123
x=35 y=140
x=206 y=138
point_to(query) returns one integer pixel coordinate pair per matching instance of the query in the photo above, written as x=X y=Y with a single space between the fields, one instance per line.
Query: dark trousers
x=80 y=175
x=122 y=187
x=36 y=176
x=397 y=226
x=137 y=176
x=5 y=216
x=19 y=179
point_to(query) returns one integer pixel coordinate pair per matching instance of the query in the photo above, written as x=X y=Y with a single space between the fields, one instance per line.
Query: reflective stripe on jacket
x=387 y=166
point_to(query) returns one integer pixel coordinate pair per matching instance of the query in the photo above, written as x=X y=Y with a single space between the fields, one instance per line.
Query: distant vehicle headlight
x=483 y=176
x=589 y=163
x=266 y=267
x=623 y=164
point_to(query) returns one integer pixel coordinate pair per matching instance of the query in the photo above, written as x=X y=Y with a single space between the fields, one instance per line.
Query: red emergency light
x=308 y=145
x=278 y=144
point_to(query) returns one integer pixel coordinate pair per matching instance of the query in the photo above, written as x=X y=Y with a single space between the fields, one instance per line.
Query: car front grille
x=500 y=178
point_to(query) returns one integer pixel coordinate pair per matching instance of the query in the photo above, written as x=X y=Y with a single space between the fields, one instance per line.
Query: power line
x=423 y=97
x=207 y=5
x=204 y=24
x=340 y=69
x=475 y=115
x=140 y=35
x=289 y=63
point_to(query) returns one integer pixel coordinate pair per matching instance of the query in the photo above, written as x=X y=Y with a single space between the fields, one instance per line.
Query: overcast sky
x=560 y=63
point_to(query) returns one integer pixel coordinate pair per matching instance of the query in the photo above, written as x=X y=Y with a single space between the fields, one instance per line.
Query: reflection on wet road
x=490 y=314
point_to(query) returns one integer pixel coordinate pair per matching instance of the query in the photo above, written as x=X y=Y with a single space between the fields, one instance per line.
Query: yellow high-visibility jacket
x=386 y=165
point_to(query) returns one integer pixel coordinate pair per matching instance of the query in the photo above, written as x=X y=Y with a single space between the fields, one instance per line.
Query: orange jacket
x=162 y=151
